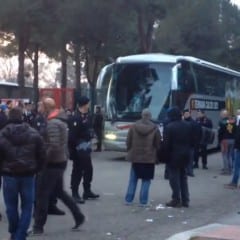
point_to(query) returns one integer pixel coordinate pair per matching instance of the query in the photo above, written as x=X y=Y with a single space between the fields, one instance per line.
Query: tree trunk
x=93 y=83
x=23 y=39
x=149 y=36
x=91 y=68
x=64 y=75
x=21 y=59
x=77 y=68
x=64 y=67
x=35 y=73
x=145 y=33
x=141 y=32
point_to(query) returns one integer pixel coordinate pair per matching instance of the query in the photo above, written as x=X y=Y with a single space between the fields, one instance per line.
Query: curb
x=210 y=232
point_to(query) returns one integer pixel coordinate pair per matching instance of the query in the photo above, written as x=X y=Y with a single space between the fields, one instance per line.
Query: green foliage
x=104 y=30
x=206 y=29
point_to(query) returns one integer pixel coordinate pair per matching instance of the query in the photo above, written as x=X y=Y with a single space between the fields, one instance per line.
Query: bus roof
x=5 y=83
x=166 y=58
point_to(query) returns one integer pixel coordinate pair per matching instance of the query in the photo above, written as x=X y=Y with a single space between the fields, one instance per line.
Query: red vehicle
x=64 y=97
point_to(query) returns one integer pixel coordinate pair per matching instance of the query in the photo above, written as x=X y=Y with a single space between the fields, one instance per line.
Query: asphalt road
x=109 y=219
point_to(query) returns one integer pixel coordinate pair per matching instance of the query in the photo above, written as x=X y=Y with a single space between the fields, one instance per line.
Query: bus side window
x=186 y=79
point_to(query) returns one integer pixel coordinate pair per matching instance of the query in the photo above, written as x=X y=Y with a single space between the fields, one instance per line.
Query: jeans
x=13 y=187
x=236 y=167
x=227 y=149
x=132 y=185
x=179 y=184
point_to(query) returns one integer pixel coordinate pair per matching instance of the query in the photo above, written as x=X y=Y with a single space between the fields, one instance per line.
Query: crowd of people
x=34 y=149
x=185 y=140
x=36 y=145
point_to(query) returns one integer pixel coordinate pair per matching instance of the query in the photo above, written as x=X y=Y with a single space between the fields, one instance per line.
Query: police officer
x=80 y=135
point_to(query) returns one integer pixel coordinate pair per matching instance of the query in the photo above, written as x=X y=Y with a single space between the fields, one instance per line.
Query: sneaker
x=79 y=221
x=174 y=204
x=54 y=210
x=205 y=167
x=231 y=186
x=35 y=232
x=185 y=204
x=90 y=195
x=128 y=203
x=78 y=199
x=195 y=166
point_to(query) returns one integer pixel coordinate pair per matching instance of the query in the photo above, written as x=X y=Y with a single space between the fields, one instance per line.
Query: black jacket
x=227 y=129
x=98 y=122
x=196 y=131
x=80 y=129
x=3 y=120
x=40 y=124
x=177 y=140
x=22 y=150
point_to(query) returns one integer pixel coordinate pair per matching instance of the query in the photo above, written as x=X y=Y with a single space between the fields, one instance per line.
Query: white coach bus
x=159 y=81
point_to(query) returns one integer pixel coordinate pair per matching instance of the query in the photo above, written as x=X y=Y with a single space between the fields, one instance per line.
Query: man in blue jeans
x=234 y=183
x=143 y=141
x=22 y=156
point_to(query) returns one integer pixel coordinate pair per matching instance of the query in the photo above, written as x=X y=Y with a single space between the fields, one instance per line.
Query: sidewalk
x=217 y=231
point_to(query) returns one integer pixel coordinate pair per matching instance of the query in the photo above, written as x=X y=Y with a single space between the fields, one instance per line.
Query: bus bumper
x=117 y=146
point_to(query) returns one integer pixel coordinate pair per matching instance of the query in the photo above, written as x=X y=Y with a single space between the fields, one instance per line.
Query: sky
x=237 y=2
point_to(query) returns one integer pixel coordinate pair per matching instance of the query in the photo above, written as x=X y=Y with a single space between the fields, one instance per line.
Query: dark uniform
x=80 y=135
x=202 y=150
x=98 y=128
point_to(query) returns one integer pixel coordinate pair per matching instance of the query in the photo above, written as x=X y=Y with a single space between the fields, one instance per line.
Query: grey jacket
x=57 y=138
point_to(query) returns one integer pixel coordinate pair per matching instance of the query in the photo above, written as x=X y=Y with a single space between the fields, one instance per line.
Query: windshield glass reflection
x=137 y=86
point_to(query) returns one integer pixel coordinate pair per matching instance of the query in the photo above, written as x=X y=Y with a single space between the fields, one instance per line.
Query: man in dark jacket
x=50 y=179
x=177 y=144
x=80 y=135
x=3 y=116
x=22 y=156
x=98 y=127
x=226 y=137
x=196 y=131
x=206 y=123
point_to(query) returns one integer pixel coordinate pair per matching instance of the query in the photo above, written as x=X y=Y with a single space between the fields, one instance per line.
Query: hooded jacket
x=57 y=138
x=22 y=150
x=143 y=141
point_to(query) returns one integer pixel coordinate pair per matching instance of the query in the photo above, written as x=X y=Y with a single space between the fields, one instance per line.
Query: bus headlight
x=110 y=136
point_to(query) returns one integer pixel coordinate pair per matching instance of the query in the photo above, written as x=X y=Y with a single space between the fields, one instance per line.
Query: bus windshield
x=135 y=86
